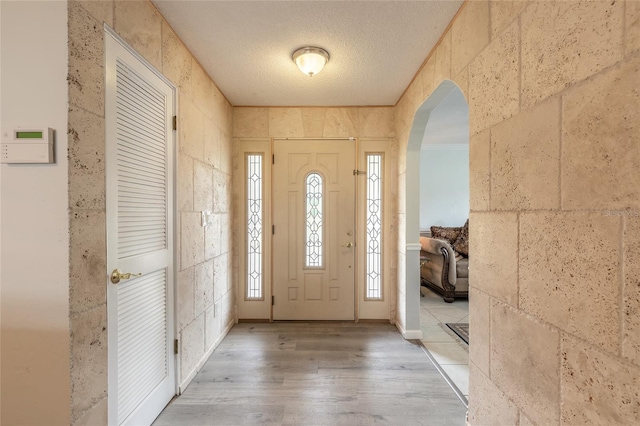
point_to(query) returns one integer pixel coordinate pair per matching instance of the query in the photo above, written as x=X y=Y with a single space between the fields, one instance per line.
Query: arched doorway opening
x=437 y=169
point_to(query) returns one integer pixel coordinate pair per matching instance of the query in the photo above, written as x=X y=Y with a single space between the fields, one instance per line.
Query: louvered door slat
x=141 y=338
x=142 y=164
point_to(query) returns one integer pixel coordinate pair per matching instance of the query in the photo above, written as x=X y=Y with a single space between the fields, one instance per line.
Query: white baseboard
x=204 y=358
x=409 y=334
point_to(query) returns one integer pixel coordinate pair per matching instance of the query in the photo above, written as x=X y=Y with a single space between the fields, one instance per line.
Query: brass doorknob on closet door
x=118 y=275
x=349 y=245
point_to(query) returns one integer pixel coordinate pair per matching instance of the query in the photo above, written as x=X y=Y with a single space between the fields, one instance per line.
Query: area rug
x=461 y=329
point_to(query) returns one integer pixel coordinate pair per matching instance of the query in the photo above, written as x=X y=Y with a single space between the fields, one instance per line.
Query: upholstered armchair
x=441 y=268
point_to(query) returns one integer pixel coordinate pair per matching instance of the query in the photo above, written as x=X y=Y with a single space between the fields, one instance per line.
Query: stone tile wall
x=554 y=103
x=205 y=300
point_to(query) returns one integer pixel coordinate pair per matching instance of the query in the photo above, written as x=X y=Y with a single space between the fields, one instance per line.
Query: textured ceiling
x=376 y=47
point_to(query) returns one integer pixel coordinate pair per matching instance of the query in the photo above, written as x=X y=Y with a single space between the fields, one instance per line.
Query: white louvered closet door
x=139 y=172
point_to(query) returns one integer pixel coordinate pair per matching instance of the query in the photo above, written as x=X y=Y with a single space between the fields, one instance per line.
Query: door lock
x=118 y=275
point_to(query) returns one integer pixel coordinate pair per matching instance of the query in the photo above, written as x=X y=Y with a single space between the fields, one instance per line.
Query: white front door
x=314 y=230
x=139 y=173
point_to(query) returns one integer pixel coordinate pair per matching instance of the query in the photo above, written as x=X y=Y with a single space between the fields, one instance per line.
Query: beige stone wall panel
x=569 y=273
x=487 y=404
x=220 y=109
x=564 y=42
x=203 y=286
x=88 y=359
x=494 y=255
x=525 y=363
x=631 y=294
x=86 y=35
x=313 y=120
x=185 y=295
x=86 y=85
x=190 y=128
x=140 y=24
x=285 y=123
x=203 y=186
x=407 y=106
x=341 y=123
x=176 y=60
x=469 y=34
x=191 y=239
x=86 y=159
x=192 y=343
x=480 y=171
x=632 y=20
x=87 y=260
x=597 y=389
x=101 y=10
x=600 y=149
x=214 y=244
x=427 y=75
x=96 y=415
x=442 y=69
x=221 y=277
x=375 y=122
x=250 y=122
x=479 y=327
x=462 y=81
x=184 y=185
x=212 y=144
x=503 y=13
x=494 y=81
x=525 y=160
x=202 y=90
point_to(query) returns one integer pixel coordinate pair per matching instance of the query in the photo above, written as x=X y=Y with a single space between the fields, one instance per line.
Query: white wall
x=444 y=185
x=34 y=236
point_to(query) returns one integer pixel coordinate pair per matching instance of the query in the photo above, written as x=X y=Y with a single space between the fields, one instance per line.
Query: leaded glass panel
x=374 y=227
x=313 y=236
x=254 y=226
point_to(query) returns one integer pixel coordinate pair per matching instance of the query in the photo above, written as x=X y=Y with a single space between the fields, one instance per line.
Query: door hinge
x=273 y=300
x=358 y=172
x=273 y=229
x=175 y=122
x=175 y=346
x=273 y=159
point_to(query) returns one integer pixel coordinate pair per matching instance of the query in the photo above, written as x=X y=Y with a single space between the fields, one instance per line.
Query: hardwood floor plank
x=316 y=374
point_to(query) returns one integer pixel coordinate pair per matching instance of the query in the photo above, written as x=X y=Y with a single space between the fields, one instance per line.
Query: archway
x=412 y=206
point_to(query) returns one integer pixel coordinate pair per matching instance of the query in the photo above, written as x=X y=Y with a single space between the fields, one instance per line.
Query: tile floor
x=447 y=349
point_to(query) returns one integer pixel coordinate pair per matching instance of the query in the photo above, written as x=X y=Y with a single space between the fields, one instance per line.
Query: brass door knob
x=118 y=275
x=349 y=245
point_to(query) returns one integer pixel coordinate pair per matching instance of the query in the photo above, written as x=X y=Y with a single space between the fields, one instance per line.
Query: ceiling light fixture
x=310 y=60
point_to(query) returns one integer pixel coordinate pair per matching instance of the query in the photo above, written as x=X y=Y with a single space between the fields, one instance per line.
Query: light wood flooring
x=316 y=374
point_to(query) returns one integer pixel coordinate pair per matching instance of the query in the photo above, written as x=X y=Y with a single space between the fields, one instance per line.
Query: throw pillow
x=447 y=234
x=461 y=244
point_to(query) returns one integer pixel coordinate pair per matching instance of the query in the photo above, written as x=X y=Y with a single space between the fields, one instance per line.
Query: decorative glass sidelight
x=373 y=222
x=254 y=226
x=313 y=236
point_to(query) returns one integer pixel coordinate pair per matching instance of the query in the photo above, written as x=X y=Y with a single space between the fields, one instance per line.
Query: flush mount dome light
x=310 y=60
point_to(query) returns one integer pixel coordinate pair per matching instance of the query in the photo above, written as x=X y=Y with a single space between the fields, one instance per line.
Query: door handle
x=118 y=275
x=349 y=245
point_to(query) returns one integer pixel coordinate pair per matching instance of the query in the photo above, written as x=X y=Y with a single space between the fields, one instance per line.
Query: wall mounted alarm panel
x=27 y=146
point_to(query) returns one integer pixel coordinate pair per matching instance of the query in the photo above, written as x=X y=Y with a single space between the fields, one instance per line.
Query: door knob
x=349 y=245
x=118 y=275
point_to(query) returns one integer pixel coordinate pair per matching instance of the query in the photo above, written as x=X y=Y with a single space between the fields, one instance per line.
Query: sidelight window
x=374 y=228
x=254 y=226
